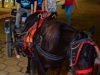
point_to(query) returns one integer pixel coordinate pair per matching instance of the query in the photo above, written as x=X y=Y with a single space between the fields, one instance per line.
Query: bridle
x=75 y=54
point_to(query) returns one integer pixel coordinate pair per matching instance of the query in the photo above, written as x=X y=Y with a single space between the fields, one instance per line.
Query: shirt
x=39 y=4
x=25 y=3
x=69 y=2
x=52 y=5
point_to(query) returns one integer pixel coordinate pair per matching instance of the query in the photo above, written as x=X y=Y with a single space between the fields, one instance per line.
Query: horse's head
x=83 y=53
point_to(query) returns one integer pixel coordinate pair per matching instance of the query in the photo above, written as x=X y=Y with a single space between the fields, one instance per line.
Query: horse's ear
x=92 y=31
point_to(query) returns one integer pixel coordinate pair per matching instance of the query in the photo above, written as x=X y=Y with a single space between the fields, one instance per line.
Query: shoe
x=17 y=29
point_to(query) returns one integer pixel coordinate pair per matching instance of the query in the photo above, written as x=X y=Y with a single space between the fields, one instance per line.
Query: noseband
x=76 y=50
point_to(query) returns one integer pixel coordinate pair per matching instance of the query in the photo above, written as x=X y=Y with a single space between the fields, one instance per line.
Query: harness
x=48 y=55
x=76 y=48
x=28 y=38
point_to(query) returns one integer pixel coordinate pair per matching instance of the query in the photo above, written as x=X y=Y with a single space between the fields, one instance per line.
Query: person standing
x=69 y=6
x=24 y=6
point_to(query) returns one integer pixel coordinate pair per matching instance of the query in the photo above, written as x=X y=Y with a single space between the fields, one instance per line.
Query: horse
x=54 y=43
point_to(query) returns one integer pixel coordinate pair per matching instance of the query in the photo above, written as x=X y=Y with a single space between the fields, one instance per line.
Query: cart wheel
x=8 y=45
x=9 y=38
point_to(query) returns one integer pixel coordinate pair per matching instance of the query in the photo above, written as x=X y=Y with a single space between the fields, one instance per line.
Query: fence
x=4 y=16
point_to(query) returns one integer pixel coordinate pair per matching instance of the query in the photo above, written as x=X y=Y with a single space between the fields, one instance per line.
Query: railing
x=5 y=16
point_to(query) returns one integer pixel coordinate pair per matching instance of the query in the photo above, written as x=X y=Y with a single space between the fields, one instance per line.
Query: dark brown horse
x=54 y=43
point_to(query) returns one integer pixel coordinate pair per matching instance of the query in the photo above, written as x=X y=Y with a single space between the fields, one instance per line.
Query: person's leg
x=68 y=11
x=18 y=16
x=28 y=12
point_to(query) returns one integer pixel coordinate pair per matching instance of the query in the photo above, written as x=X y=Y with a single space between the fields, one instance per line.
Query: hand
x=31 y=13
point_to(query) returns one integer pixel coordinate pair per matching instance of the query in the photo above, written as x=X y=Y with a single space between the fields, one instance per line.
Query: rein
x=44 y=53
x=48 y=55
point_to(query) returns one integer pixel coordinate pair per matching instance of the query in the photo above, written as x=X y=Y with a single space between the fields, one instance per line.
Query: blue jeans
x=19 y=14
x=68 y=11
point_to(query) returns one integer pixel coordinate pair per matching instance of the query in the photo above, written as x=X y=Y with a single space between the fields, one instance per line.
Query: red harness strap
x=78 y=53
x=28 y=38
x=86 y=71
x=32 y=31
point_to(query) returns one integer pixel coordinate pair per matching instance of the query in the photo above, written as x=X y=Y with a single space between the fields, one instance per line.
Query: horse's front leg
x=28 y=66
